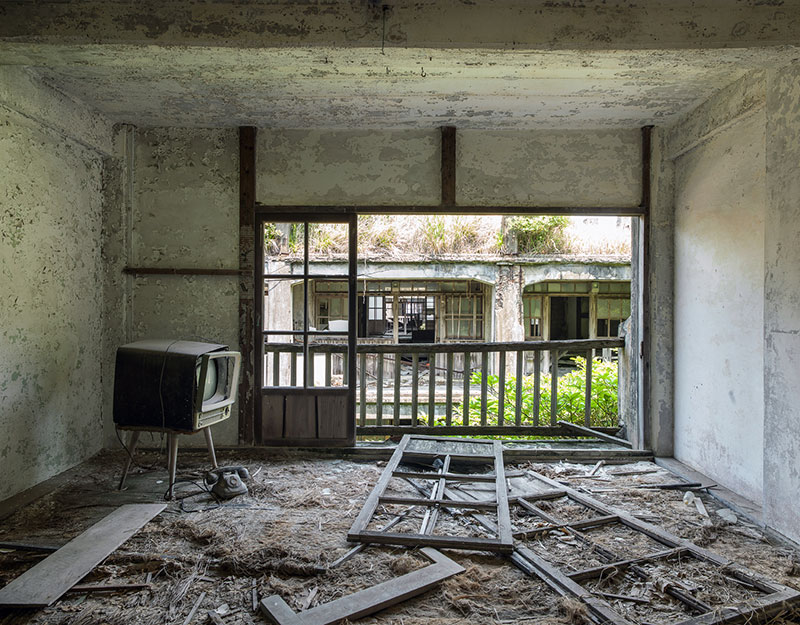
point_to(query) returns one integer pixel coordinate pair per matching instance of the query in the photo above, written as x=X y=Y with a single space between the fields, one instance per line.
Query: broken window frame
x=502 y=543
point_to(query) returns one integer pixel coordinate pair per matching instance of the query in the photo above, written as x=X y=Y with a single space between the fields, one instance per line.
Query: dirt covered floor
x=280 y=537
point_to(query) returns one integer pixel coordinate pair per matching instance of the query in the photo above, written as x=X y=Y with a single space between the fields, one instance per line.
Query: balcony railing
x=431 y=387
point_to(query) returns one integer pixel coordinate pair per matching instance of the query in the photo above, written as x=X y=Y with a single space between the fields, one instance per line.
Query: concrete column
x=508 y=324
x=782 y=303
x=658 y=414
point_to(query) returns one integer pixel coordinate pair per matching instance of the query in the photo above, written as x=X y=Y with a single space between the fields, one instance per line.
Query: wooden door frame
x=265 y=215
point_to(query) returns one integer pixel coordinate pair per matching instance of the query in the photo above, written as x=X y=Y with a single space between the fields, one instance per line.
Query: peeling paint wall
x=719 y=295
x=51 y=287
x=549 y=168
x=185 y=214
x=581 y=168
x=782 y=304
x=737 y=318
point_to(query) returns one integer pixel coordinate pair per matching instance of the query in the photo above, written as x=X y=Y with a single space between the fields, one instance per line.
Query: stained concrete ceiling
x=397 y=88
x=422 y=64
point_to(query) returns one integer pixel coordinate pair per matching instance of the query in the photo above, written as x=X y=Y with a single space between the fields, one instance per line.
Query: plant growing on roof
x=540 y=235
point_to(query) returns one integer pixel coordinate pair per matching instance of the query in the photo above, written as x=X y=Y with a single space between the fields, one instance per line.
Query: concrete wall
x=184 y=207
x=719 y=291
x=52 y=327
x=185 y=213
x=737 y=279
x=782 y=304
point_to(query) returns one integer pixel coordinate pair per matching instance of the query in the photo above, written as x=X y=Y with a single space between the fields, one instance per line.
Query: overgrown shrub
x=571 y=389
x=540 y=235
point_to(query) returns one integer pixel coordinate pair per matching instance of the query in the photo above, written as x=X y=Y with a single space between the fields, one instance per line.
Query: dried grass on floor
x=296 y=518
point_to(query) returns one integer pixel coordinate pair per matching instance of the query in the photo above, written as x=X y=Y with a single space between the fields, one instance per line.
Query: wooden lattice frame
x=503 y=542
x=777 y=599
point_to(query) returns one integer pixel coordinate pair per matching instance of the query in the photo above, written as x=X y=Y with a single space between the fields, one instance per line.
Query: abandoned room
x=328 y=235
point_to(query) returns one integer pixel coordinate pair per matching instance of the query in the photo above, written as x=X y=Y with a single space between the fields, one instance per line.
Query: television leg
x=132 y=440
x=172 y=441
x=210 y=444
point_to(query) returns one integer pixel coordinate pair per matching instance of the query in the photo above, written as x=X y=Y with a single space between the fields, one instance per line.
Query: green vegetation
x=540 y=235
x=571 y=389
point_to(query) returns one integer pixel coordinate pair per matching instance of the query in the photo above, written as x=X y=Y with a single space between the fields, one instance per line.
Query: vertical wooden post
x=449 y=391
x=362 y=389
x=537 y=382
x=484 y=386
x=432 y=389
x=248 y=320
x=396 y=407
x=467 y=373
x=587 y=414
x=501 y=390
x=518 y=389
x=448 y=165
x=379 y=392
x=414 y=388
x=553 y=386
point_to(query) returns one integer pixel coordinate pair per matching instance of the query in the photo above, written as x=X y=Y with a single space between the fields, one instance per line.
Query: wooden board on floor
x=366 y=601
x=45 y=582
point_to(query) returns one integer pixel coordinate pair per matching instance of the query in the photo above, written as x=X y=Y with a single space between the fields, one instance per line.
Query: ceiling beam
x=505 y=24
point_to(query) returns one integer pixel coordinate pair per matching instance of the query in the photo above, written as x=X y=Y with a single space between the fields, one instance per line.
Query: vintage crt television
x=174 y=385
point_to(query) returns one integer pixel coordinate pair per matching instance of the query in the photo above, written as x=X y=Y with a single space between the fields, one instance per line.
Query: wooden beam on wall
x=247 y=205
x=448 y=165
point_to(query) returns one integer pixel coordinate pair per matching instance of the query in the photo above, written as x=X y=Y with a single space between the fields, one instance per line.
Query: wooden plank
x=551 y=574
x=405 y=427
x=379 y=391
x=338 y=210
x=276 y=369
x=109 y=587
x=333 y=417
x=363 y=518
x=467 y=373
x=272 y=417
x=501 y=495
x=432 y=389
x=518 y=394
x=396 y=400
x=484 y=386
x=537 y=385
x=448 y=165
x=432 y=515
x=46 y=581
x=442 y=542
x=501 y=389
x=587 y=399
x=328 y=367
x=301 y=417
x=415 y=501
x=182 y=271
x=414 y=388
x=249 y=258
x=368 y=601
x=362 y=389
x=293 y=370
x=449 y=392
x=584 y=431
x=453 y=477
x=576 y=345
x=553 y=386
x=597 y=571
